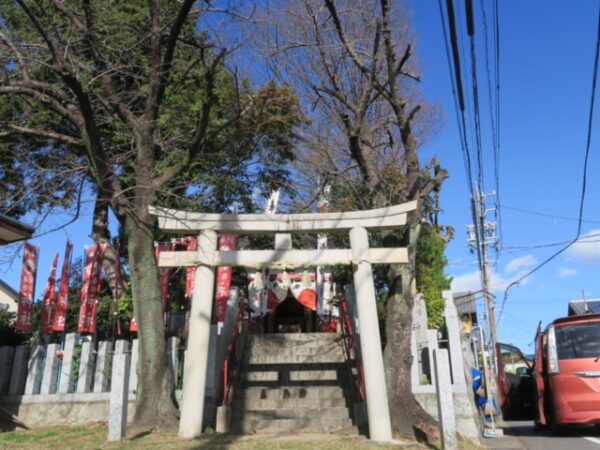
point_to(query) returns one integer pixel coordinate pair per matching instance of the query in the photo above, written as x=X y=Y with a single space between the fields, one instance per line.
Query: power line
x=537 y=213
x=582 y=240
x=522 y=248
x=497 y=96
x=494 y=102
x=584 y=178
x=476 y=113
x=459 y=98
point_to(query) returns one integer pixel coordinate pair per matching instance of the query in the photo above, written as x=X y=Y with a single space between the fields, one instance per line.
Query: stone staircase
x=293 y=383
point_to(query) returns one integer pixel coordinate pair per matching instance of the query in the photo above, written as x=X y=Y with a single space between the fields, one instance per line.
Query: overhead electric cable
x=584 y=178
x=455 y=53
x=551 y=216
x=476 y=113
x=497 y=102
x=494 y=112
x=459 y=103
x=582 y=240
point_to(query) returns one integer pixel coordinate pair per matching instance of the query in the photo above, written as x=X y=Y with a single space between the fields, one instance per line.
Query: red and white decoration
x=90 y=291
x=224 y=274
x=265 y=297
x=60 y=315
x=27 y=288
x=49 y=297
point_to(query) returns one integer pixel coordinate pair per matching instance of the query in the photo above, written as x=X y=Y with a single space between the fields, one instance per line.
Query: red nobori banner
x=49 y=296
x=164 y=272
x=226 y=242
x=60 y=315
x=90 y=291
x=27 y=289
x=190 y=272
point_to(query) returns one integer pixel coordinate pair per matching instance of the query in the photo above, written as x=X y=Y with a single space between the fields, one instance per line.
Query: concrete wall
x=62 y=409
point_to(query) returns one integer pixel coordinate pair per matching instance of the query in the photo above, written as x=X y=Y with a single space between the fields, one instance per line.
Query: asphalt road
x=520 y=435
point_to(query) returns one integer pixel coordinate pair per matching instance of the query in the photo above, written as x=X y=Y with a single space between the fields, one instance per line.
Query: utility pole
x=482 y=236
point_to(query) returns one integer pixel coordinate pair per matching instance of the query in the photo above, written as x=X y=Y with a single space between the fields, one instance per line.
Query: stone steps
x=287 y=426
x=291 y=392
x=332 y=412
x=290 y=403
x=293 y=356
x=285 y=376
x=294 y=337
x=293 y=383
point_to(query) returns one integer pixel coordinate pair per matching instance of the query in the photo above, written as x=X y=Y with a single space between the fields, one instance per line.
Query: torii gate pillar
x=208 y=257
x=378 y=411
x=195 y=367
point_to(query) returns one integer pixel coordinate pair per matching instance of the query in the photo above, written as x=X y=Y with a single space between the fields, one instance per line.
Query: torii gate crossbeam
x=207 y=257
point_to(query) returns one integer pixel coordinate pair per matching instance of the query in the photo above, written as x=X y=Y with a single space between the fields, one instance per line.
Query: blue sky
x=546 y=66
x=546 y=62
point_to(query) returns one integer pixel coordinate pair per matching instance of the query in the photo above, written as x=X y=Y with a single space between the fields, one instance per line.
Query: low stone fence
x=425 y=343
x=49 y=385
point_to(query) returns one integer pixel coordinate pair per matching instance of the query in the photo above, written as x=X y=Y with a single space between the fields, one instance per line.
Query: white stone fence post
x=48 y=370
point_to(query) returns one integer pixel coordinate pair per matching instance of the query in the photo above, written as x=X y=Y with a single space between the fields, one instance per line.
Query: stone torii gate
x=207 y=258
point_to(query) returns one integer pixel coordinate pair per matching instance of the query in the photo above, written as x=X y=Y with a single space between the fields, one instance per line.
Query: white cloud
x=515 y=269
x=566 y=273
x=520 y=263
x=467 y=282
x=587 y=248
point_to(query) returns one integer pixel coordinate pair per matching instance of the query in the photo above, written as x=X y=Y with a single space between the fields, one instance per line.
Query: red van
x=567 y=372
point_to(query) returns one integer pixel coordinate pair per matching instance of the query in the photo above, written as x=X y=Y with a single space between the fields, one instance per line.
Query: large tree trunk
x=101 y=234
x=407 y=415
x=155 y=408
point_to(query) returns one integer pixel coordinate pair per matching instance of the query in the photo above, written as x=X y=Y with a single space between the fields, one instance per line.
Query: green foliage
x=238 y=137
x=430 y=277
x=8 y=334
x=247 y=132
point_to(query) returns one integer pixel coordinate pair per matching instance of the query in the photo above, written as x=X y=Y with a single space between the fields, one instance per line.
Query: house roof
x=587 y=306
x=465 y=302
x=13 y=231
x=9 y=290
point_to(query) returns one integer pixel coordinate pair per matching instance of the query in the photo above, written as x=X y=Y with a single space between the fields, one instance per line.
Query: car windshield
x=580 y=340
x=513 y=360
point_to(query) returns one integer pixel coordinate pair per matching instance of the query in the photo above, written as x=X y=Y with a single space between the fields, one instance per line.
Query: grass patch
x=93 y=436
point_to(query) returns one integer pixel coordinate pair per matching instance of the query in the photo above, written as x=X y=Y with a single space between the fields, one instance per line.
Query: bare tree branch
x=45 y=134
x=27 y=89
